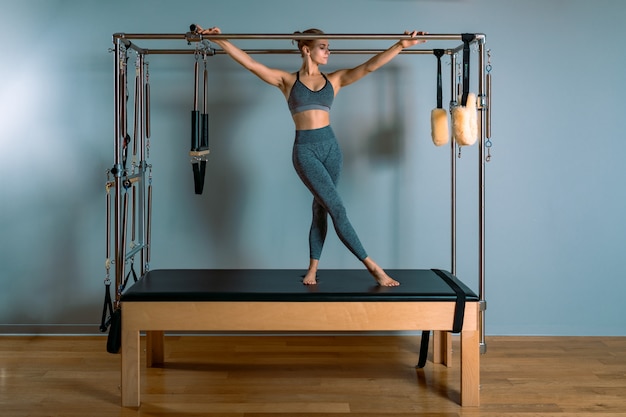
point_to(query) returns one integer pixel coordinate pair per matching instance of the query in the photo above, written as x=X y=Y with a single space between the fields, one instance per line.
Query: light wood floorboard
x=306 y=376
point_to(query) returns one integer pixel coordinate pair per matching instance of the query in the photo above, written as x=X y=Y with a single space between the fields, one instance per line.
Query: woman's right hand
x=210 y=31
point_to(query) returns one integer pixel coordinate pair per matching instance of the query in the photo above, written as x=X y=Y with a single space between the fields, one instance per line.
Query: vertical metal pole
x=148 y=227
x=108 y=232
x=141 y=139
x=453 y=102
x=140 y=115
x=481 y=193
x=117 y=167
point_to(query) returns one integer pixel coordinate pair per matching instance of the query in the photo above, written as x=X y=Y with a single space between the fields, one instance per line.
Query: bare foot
x=383 y=279
x=379 y=274
x=311 y=276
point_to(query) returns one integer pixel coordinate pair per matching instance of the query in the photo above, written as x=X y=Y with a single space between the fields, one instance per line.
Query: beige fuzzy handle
x=465 y=122
x=439 y=126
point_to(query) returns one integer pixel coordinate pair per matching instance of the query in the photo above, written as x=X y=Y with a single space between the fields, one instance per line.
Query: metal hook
x=149 y=166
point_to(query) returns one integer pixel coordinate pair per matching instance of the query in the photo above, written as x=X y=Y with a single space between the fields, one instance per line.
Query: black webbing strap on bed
x=457 y=322
x=459 y=308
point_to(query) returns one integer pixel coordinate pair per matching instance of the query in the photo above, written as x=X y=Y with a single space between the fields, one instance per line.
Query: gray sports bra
x=302 y=98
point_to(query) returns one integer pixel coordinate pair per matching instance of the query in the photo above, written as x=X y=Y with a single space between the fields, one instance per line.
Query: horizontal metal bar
x=191 y=36
x=163 y=36
x=178 y=51
x=339 y=36
x=281 y=51
x=333 y=51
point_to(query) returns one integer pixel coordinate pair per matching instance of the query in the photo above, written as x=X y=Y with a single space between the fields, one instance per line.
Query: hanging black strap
x=204 y=117
x=199 y=173
x=459 y=307
x=132 y=271
x=195 y=113
x=457 y=321
x=114 y=340
x=107 y=309
x=467 y=38
x=423 y=349
x=112 y=320
x=204 y=129
x=439 y=53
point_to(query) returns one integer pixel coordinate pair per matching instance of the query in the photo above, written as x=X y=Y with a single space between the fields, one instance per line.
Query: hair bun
x=295 y=41
x=302 y=42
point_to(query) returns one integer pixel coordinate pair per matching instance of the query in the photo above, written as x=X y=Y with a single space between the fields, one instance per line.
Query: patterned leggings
x=318 y=160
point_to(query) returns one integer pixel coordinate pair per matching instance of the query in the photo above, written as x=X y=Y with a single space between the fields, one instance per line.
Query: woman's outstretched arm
x=272 y=76
x=346 y=77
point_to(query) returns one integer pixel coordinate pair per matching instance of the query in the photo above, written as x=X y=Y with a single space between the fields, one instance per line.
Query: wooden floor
x=298 y=376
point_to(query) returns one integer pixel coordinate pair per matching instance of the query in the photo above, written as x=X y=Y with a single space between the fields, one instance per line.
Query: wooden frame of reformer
x=156 y=317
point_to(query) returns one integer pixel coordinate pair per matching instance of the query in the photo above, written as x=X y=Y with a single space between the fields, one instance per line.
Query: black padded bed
x=252 y=300
x=286 y=285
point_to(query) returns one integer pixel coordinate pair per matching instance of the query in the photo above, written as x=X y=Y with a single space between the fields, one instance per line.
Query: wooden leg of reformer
x=155 y=350
x=130 y=367
x=470 y=369
x=442 y=347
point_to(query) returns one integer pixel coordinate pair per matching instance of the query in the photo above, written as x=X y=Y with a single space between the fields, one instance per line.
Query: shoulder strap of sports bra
x=298 y=75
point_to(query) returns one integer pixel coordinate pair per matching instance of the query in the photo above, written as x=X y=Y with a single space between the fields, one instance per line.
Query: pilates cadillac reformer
x=230 y=300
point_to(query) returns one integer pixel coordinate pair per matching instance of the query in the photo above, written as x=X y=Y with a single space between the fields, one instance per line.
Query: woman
x=317 y=157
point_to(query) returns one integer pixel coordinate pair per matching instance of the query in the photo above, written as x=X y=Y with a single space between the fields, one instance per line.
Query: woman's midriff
x=311 y=119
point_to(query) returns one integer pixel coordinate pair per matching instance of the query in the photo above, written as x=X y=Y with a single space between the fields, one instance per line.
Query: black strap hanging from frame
x=112 y=317
x=114 y=341
x=204 y=116
x=199 y=173
x=467 y=38
x=195 y=113
x=111 y=320
x=107 y=309
x=199 y=130
x=439 y=53
x=132 y=271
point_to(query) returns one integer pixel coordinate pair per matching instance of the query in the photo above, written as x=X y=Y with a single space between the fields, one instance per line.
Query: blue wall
x=555 y=194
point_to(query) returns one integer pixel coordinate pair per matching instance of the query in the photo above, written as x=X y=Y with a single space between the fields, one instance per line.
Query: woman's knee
x=338 y=212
